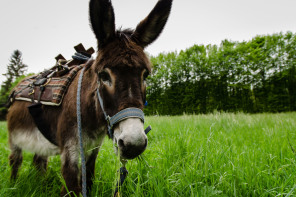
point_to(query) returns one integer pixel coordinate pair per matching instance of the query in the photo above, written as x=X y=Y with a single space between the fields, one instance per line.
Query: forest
x=251 y=76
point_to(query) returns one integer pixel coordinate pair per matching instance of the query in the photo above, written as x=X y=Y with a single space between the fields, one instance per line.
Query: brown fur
x=119 y=51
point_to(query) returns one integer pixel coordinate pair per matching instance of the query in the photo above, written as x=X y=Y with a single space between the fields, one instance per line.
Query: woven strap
x=126 y=113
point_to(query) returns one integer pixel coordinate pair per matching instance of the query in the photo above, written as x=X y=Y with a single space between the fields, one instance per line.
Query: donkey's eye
x=105 y=77
x=145 y=75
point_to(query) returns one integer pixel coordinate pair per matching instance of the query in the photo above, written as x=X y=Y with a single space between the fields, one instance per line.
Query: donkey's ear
x=102 y=20
x=149 y=29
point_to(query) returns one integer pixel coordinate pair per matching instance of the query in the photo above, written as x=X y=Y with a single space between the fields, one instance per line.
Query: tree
x=15 y=69
x=250 y=76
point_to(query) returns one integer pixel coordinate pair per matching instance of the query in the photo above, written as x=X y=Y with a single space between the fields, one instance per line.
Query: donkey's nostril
x=120 y=143
x=130 y=147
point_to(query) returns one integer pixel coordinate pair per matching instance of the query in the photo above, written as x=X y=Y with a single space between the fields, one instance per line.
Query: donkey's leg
x=15 y=160
x=90 y=169
x=91 y=157
x=40 y=162
x=70 y=170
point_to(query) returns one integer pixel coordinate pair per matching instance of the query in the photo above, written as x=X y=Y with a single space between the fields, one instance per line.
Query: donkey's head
x=122 y=67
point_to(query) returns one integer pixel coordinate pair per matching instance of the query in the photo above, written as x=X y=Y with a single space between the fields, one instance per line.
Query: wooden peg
x=59 y=57
x=90 y=51
x=79 y=48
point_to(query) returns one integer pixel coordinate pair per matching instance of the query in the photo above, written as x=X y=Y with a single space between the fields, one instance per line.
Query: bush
x=3 y=112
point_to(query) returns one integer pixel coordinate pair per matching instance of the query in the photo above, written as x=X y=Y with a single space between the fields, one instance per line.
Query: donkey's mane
x=122 y=51
x=124 y=34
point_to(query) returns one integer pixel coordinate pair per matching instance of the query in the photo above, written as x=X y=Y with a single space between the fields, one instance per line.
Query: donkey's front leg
x=90 y=169
x=70 y=169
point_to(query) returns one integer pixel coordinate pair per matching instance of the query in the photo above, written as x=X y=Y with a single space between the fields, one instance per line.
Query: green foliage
x=15 y=69
x=15 y=72
x=221 y=154
x=3 y=112
x=4 y=96
x=254 y=76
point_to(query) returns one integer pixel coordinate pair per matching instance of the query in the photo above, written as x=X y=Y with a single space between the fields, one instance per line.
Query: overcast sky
x=43 y=29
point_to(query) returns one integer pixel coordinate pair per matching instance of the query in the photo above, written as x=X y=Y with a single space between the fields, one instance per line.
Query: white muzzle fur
x=129 y=138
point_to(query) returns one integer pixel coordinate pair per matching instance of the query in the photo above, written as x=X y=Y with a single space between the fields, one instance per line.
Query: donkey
x=118 y=73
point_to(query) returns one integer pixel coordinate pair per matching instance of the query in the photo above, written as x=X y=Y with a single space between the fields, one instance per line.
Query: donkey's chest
x=93 y=140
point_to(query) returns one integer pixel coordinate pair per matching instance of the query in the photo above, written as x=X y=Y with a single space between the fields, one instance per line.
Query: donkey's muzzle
x=130 y=150
x=130 y=138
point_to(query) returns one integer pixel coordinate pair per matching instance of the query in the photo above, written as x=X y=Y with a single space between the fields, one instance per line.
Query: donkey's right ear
x=149 y=29
x=101 y=16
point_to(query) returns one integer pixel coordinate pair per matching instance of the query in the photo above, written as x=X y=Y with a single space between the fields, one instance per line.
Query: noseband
x=121 y=115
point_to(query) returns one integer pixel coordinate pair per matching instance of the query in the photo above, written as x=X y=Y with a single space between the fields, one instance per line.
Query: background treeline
x=254 y=76
x=15 y=72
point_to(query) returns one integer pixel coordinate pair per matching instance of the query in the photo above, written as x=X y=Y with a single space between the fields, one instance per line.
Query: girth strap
x=36 y=112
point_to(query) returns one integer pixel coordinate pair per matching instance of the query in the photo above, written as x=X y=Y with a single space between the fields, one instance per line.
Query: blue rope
x=123 y=173
x=80 y=134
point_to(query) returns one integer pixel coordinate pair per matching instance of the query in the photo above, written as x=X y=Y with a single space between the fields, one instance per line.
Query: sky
x=43 y=29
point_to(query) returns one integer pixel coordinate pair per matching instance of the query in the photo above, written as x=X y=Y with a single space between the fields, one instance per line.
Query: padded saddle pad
x=55 y=88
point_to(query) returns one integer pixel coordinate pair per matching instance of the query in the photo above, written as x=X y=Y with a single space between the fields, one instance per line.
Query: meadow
x=220 y=154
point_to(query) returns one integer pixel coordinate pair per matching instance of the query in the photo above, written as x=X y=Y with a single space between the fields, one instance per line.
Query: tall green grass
x=190 y=155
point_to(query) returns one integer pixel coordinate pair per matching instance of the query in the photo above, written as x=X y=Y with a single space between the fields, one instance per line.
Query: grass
x=190 y=155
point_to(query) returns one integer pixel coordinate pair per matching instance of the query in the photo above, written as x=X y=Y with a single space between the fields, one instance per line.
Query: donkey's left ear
x=102 y=20
x=150 y=28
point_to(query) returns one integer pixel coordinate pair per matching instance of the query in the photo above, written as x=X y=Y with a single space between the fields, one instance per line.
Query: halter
x=111 y=121
x=121 y=115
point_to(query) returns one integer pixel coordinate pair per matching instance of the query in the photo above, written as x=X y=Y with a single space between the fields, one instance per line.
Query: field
x=191 y=155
